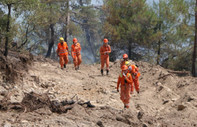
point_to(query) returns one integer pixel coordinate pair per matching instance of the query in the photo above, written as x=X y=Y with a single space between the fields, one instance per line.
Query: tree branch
x=26 y=36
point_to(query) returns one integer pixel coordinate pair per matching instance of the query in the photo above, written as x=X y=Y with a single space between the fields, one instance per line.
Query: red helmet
x=105 y=40
x=74 y=39
x=124 y=67
x=125 y=56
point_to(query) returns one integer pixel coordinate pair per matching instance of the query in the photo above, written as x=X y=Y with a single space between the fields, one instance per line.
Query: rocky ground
x=35 y=92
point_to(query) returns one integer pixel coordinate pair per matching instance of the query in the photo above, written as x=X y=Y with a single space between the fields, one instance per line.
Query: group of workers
x=128 y=77
x=129 y=74
x=63 y=52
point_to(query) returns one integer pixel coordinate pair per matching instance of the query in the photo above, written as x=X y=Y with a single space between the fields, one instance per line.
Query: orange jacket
x=134 y=71
x=105 y=50
x=121 y=80
x=75 y=50
x=62 y=49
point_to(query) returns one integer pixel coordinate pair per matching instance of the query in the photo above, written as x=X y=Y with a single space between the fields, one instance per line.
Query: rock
x=181 y=107
x=36 y=79
x=150 y=122
x=7 y=124
x=2 y=89
x=17 y=96
x=43 y=111
x=190 y=99
x=144 y=125
x=43 y=85
x=182 y=84
x=100 y=124
x=157 y=83
x=140 y=115
x=165 y=101
x=174 y=99
x=123 y=119
x=24 y=121
x=119 y=118
x=160 y=88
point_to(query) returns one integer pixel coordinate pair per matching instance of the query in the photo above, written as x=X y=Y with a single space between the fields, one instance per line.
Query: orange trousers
x=125 y=94
x=136 y=83
x=77 y=60
x=63 y=60
x=105 y=59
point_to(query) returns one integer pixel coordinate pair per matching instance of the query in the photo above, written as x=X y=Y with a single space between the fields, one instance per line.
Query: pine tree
x=12 y=5
x=130 y=24
x=174 y=24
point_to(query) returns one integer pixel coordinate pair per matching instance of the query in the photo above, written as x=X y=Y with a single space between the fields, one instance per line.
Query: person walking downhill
x=105 y=50
x=62 y=52
x=133 y=70
x=76 y=53
x=126 y=87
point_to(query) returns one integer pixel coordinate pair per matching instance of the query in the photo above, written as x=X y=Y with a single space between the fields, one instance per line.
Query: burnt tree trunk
x=7 y=30
x=195 y=45
x=51 y=44
x=159 y=43
x=67 y=22
x=158 y=52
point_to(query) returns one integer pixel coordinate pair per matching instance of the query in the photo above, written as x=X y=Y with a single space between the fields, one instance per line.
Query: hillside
x=167 y=98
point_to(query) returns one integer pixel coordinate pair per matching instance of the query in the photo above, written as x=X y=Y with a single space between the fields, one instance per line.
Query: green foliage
x=87 y=18
x=2 y=22
x=74 y=30
x=175 y=26
x=168 y=23
x=180 y=62
x=129 y=20
x=18 y=7
x=130 y=25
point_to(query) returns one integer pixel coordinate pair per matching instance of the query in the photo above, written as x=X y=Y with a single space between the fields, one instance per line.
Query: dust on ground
x=41 y=94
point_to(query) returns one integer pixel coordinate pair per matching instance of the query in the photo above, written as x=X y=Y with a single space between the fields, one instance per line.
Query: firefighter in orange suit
x=105 y=49
x=62 y=52
x=133 y=70
x=76 y=53
x=126 y=86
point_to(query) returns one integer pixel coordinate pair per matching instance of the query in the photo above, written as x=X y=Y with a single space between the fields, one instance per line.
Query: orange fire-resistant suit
x=126 y=88
x=76 y=54
x=62 y=51
x=133 y=70
x=104 y=55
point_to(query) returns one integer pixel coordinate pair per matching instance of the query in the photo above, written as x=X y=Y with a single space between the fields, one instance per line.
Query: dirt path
x=164 y=100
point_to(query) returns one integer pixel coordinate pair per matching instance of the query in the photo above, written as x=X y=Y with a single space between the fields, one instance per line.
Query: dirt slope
x=165 y=99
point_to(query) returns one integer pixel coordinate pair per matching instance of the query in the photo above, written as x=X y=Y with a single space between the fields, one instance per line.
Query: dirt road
x=165 y=98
